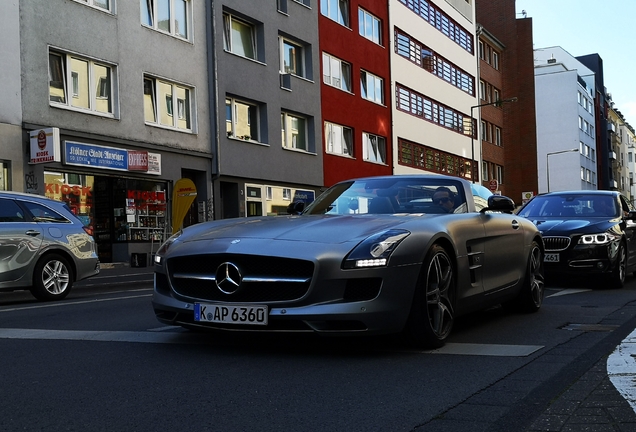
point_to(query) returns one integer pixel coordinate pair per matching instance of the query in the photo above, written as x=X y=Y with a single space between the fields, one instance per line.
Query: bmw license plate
x=551 y=257
x=231 y=314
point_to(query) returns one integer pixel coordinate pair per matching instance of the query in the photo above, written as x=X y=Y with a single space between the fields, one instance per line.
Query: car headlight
x=597 y=239
x=164 y=247
x=375 y=250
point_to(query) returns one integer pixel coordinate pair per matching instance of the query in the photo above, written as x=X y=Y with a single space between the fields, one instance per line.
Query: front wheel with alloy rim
x=618 y=273
x=531 y=296
x=432 y=311
x=52 y=278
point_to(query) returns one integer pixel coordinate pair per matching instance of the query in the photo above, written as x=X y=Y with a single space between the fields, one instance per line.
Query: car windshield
x=390 y=196
x=572 y=206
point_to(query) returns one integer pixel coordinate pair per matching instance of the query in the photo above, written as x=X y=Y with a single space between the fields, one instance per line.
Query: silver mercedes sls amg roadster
x=403 y=254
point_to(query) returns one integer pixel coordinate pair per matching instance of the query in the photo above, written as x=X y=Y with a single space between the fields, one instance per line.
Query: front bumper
x=328 y=307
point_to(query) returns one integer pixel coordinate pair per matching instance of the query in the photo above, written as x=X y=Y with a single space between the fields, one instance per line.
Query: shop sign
x=137 y=160
x=95 y=156
x=45 y=145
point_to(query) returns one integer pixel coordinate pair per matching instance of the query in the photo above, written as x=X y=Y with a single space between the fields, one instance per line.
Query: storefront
x=123 y=193
x=127 y=215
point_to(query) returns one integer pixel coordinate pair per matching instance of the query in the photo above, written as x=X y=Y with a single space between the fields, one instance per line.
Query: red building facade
x=355 y=90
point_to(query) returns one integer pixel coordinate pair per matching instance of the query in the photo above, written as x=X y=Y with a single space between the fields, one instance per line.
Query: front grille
x=264 y=278
x=555 y=244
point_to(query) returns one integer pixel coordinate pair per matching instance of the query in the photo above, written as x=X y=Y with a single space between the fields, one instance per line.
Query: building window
x=291 y=57
x=482 y=90
x=163 y=98
x=337 y=10
x=336 y=73
x=484 y=133
x=421 y=55
x=495 y=60
x=90 y=83
x=434 y=160
x=239 y=37
x=100 y=4
x=369 y=26
x=498 y=136
x=496 y=96
x=481 y=50
x=241 y=120
x=373 y=148
x=372 y=87
x=442 y=22
x=484 y=169
x=294 y=131
x=500 y=174
x=170 y=16
x=582 y=173
x=421 y=106
x=338 y=139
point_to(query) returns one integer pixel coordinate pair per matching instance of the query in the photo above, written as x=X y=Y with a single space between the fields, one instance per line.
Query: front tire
x=432 y=311
x=618 y=273
x=52 y=278
x=531 y=296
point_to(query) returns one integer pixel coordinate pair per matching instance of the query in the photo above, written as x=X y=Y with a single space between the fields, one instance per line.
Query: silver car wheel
x=55 y=277
x=535 y=274
x=52 y=278
x=438 y=287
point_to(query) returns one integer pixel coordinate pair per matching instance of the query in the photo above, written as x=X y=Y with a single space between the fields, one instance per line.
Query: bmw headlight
x=164 y=247
x=375 y=250
x=597 y=239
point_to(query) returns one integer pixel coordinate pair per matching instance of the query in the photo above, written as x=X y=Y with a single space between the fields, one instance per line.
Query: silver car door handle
x=32 y=233
x=515 y=224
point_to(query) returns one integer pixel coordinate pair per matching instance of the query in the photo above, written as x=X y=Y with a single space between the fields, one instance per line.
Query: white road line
x=487 y=349
x=102 y=336
x=568 y=291
x=621 y=368
x=163 y=336
x=71 y=303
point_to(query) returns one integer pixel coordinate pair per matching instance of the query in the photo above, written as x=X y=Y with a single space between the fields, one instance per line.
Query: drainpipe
x=214 y=102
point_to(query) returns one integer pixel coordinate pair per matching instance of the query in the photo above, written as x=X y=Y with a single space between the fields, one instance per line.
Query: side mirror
x=499 y=203
x=296 y=208
x=631 y=216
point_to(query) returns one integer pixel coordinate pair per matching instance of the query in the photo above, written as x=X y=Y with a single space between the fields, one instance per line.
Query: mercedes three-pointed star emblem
x=228 y=278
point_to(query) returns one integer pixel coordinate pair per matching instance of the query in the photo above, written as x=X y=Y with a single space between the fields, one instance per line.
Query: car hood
x=331 y=229
x=558 y=226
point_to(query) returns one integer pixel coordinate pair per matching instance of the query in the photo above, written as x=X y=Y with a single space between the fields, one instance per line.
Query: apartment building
x=434 y=75
x=265 y=70
x=355 y=46
x=566 y=126
x=621 y=146
x=491 y=109
x=105 y=108
x=508 y=60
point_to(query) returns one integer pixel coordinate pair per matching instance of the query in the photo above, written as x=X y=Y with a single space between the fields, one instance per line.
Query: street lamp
x=472 y=129
x=547 y=161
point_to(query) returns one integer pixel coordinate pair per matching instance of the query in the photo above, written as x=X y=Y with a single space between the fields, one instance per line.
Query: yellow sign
x=182 y=196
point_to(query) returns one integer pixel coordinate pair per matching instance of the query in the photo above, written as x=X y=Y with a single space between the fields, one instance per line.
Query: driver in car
x=444 y=198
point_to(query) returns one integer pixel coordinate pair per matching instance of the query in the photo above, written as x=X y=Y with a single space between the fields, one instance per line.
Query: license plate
x=551 y=257
x=231 y=314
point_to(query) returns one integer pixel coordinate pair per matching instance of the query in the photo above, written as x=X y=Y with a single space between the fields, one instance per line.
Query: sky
x=581 y=27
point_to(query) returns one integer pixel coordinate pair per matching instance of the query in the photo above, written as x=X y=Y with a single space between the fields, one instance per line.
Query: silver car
x=397 y=254
x=44 y=247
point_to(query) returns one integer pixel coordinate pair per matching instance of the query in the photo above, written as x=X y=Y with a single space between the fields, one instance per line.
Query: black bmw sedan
x=586 y=232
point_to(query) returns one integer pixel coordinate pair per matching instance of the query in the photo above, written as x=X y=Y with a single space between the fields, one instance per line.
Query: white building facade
x=566 y=138
x=434 y=85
